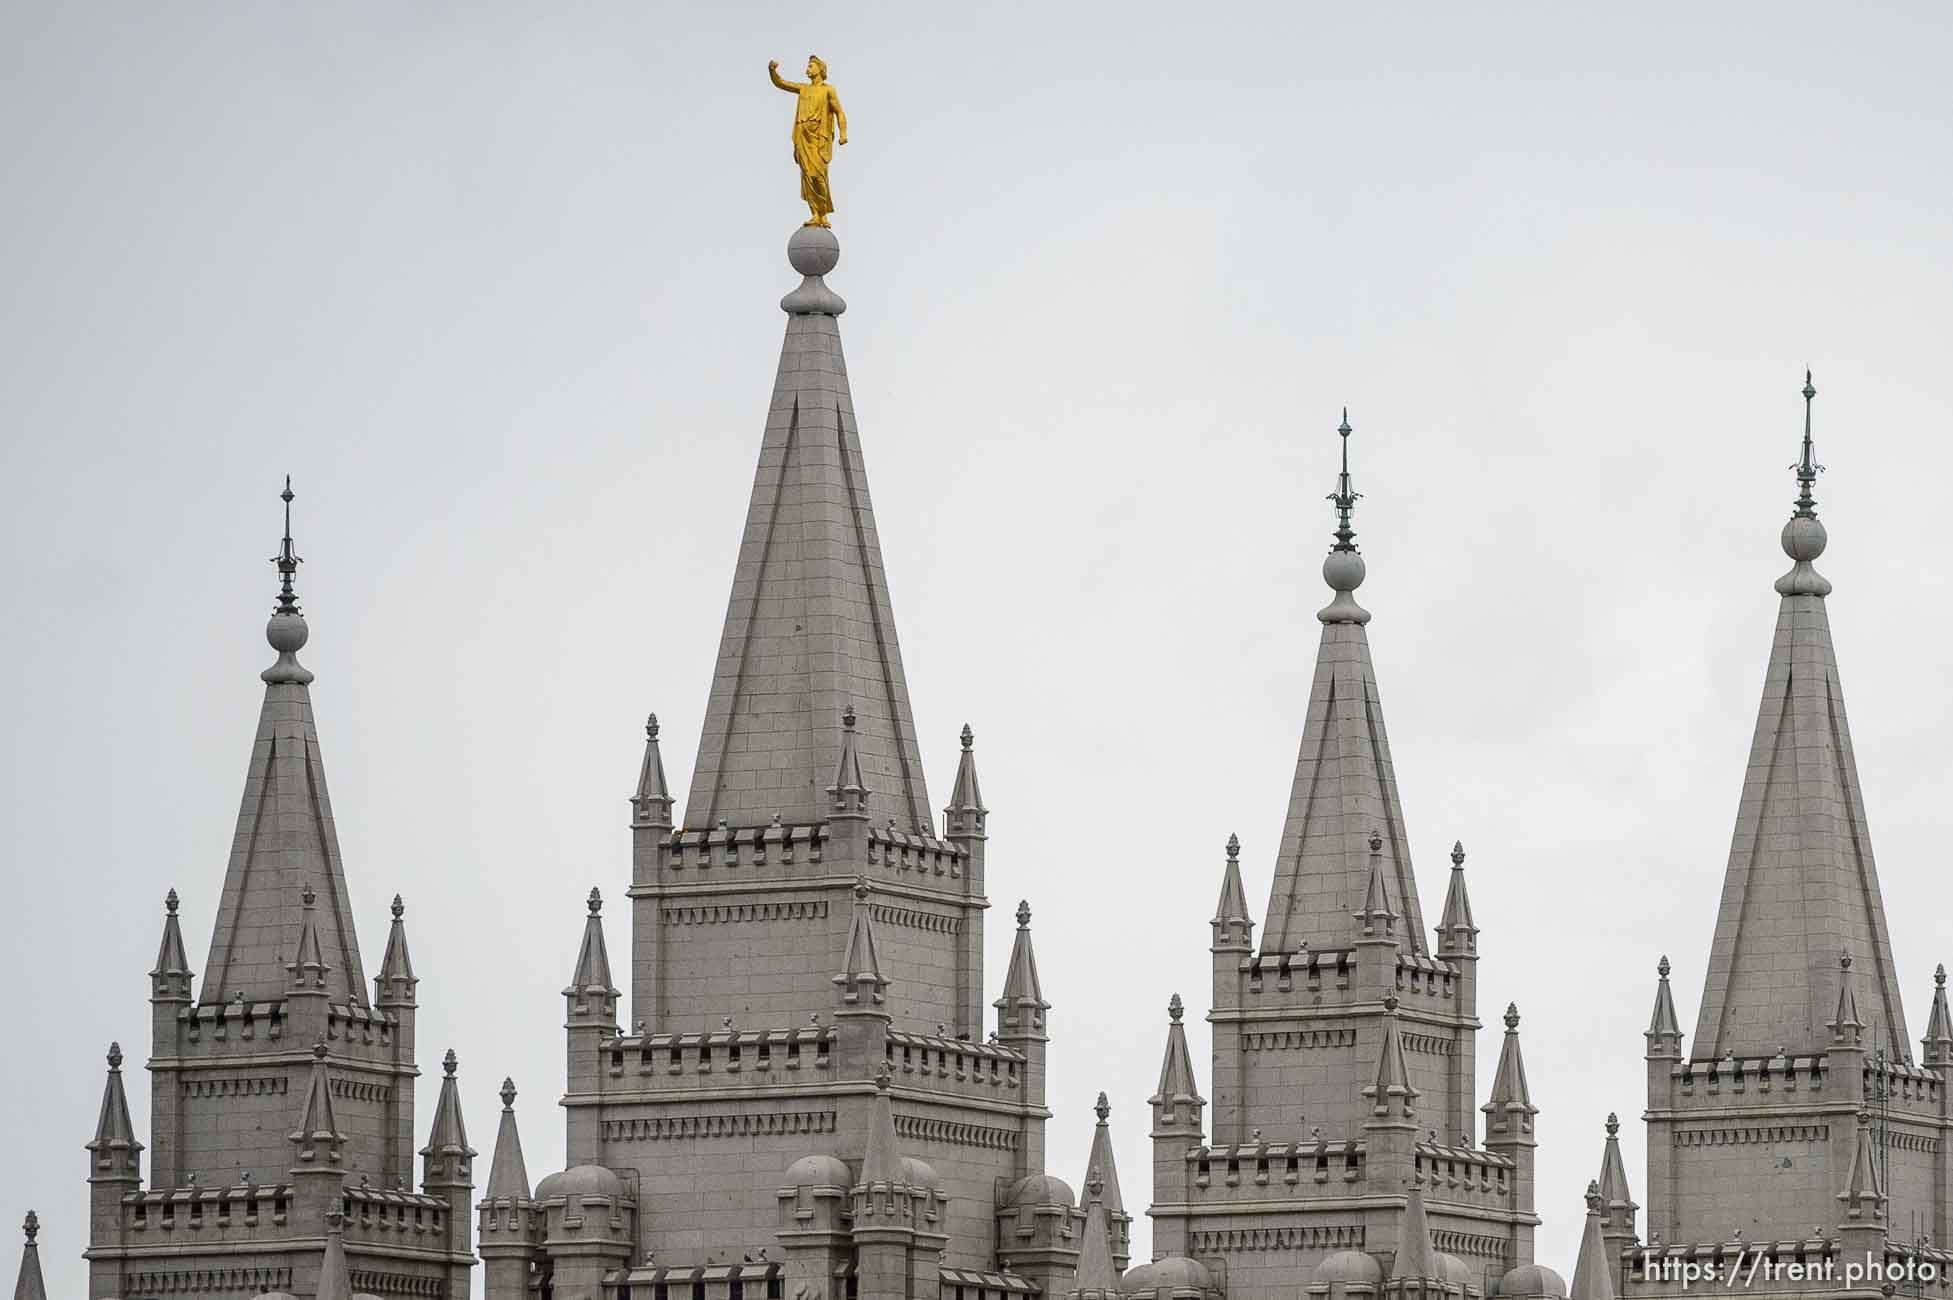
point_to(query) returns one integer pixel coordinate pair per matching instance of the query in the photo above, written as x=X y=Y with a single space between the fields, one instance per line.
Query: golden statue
x=816 y=119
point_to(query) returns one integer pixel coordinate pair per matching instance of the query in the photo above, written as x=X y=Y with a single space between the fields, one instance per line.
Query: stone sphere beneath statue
x=813 y=250
x=1803 y=538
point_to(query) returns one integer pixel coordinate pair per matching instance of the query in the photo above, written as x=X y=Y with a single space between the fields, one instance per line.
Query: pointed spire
x=1344 y=786
x=395 y=984
x=28 y=1285
x=1390 y=1093
x=447 y=1160
x=283 y=838
x=1344 y=569
x=1617 y=1198
x=1176 y=1067
x=965 y=815
x=591 y=994
x=860 y=978
x=810 y=625
x=170 y=980
x=1233 y=927
x=1020 y=1011
x=1845 y=1026
x=1801 y=876
x=1375 y=917
x=508 y=1174
x=1417 y=1258
x=335 y=1276
x=117 y=1154
x=317 y=1136
x=882 y=1162
x=1664 y=1033
x=651 y=805
x=1864 y=1195
x=1509 y=1111
x=1457 y=935
x=848 y=795
x=1939 y=1025
x=308 y=968
x=1593 y=1272
x=1096 y=1275
x=1102 y=1168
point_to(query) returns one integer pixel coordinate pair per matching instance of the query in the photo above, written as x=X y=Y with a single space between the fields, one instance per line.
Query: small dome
x=922 y=1174
x=1532 y=1282
x=581 y=1180
x=1038 y=1189
x=1351 y=1267
x=819 y=1171
x=1456 y=1271
x=1175 y=1273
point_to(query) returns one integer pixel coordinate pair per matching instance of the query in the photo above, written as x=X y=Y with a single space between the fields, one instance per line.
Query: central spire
x=1345 y=787
x=809 y=630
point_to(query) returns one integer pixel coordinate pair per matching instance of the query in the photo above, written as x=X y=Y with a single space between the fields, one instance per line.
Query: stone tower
x=803 y=1100
x=1796 y=1137
x=281 y=1093
x=1342 y=1154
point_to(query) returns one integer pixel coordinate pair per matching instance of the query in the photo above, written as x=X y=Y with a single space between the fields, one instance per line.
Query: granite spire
x=1801 y=884
x=1345 y=785
x=28 y=1284
x=284 y=838
x=809 y=628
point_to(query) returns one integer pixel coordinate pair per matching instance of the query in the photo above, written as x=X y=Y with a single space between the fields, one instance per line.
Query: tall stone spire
x=284 y=837
x=1801 y=885
x=1102 y=1173
x=28 y=1284
x=809 y=629
x=1344 y=782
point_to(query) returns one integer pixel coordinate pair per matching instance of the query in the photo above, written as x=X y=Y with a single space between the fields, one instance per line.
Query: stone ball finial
x=595 y=901
x=171 y=902
x=115 y=1056
x=1613 y=1124
x=969 y=737
x=1803 y=538
x=1457 y=853
x=398 y=908
x=1344 y=571
x=287 y=633
x=450 y=1063
x=1175 y=1008
x=508 y=1094
x=1662 y=967
x=1512 y=1015
x=813 y=250
x=651 y=726
x=1102 y=1108
x=1023 y=914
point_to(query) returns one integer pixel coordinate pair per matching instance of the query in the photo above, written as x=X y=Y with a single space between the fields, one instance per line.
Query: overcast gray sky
x=497 y=285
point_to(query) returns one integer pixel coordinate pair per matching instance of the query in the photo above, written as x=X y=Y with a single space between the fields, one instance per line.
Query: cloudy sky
x=497 y=285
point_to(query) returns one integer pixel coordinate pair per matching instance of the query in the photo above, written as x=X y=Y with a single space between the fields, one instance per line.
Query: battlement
x=1779 y=1079
x=954 y=1065
x=1312 y=972
x=221 y=1028
x=725 y=1059
x=259 y=1213
x=1338 y=1169
x=778 y=851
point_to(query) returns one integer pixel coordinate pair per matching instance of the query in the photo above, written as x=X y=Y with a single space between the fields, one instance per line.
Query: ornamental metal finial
x=1807 y=468
x=1344 y=497
x=287 y=560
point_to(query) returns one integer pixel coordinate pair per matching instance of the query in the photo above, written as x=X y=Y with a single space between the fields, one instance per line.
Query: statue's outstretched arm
x=773 y=71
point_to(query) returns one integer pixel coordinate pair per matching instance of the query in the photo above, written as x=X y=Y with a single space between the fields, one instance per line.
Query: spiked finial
x=508 y=1094
x=1344 y=497
x=287 y=560
x=1807 y=468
